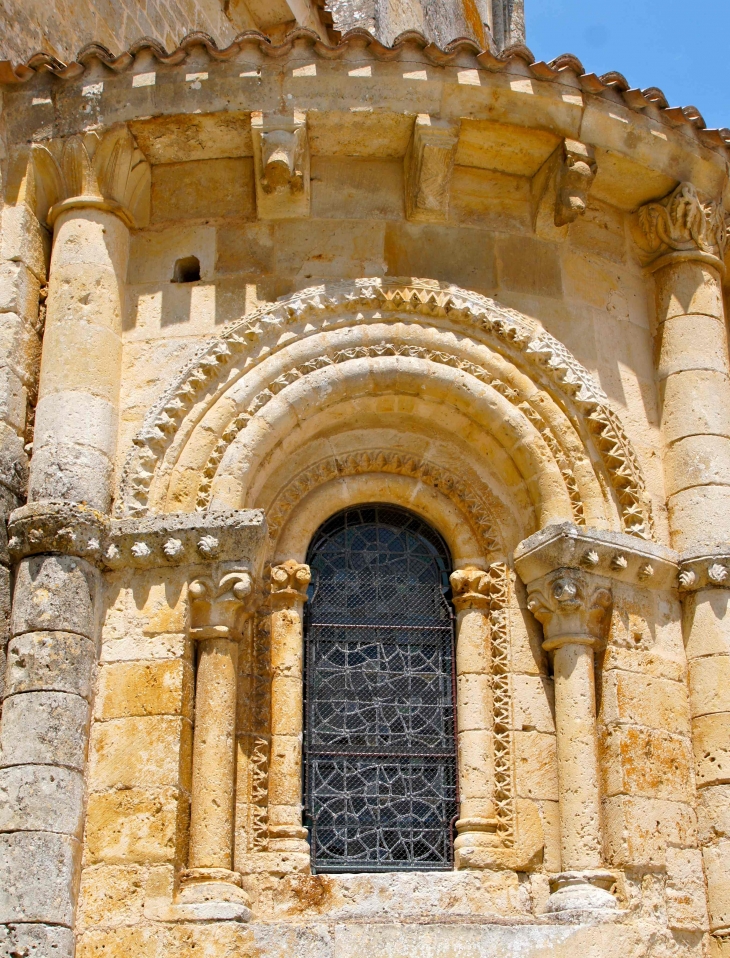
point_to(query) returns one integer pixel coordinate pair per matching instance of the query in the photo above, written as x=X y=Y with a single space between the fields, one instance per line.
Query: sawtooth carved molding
x=476 y=510
x=681 y=226
x=240 y=422
x=103 y=170
x=429 y=164
x=576 y=174
x=548 y=363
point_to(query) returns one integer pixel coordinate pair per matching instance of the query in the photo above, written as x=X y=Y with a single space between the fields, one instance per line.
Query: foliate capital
x=219 y=604
x=471 y=588
x=104 y=171
x=289 y=583
x=571 y=606
x=683 y=226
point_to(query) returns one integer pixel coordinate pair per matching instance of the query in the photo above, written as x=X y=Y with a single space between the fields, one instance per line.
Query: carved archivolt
x=474 y=507
x=247 y=342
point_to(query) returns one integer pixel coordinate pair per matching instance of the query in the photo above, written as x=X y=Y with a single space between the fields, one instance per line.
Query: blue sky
x=682 y=47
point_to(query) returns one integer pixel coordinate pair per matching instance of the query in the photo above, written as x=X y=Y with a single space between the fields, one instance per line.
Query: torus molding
x=681 y=224
x=476 y=510
x=344 y=303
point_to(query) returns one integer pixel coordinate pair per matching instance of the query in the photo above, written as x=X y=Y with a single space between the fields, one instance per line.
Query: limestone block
x=286 y=694
x=713 y=813
x=536 y=765
x=162 y=611
x=691 y=342
x=51 y=661
x=144 y=688
x=96 y=350
x=37 y=875
x=647 y=762
x=695 y=402
x=709 y=684
x=533 y=703
x=153 y=254
x=85 y=295
x=707 y=623
x=115 y=894
x=245 y=249
x=550 y=816
x=22 y=240
x=711 y=735
x=44 y=728
x=696 y=461
x=41 y=798
x=36 y=941
x=13 y=399
x=123 y=942
x=475 y=768
x=56 y=593
x=313 y=249
x=490 y=200
x=529 y=266
x=527 y=652
x=89 y=237
x=203 y=189
x=638 y=831
x=357 y=188
x=688 y=287
x=685 y=890
x=73 y=472
x=142 y=752
x=136 y=825
x=656 y=663
x=700 y=517
x=631 y=699
x=717 y=870
x=286 y=753
x=449 y=253
x=19 y=290
x=474 y=697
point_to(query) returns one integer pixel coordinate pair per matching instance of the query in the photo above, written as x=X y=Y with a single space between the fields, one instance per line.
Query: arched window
x=380 y=745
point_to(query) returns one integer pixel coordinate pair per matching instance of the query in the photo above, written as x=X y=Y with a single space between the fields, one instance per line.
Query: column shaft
x=77 y=412
x=578 y=783
x=211 y=819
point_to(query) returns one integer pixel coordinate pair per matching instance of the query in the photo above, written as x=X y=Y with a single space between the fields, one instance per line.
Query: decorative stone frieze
x=173 y=539
x=106 y=171
x=576 y=173
x=711 y=570
x=429 y=164
x=682 y=226
x=281 y=164
x=613 y=555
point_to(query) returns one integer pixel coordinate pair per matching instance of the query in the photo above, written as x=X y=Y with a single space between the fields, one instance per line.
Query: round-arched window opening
x=380 y=780
x=187 y=270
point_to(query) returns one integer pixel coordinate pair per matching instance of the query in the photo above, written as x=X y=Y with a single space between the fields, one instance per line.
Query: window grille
x=380 y=748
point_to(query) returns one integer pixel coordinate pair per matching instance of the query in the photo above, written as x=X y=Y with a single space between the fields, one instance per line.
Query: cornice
x=706 y=570
x=173 y=539
x=566 y=67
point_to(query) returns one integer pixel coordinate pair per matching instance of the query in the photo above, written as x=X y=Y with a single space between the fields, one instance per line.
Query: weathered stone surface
x=115 y=894
x=140 y=752
x=638 y=831
x=50 y=661
x=36 y=941
x=144 y=688
x=37 y=875
x=44 y=728
x=136 y=825
x=41 y=798
x=686 y=899
x=54 y=593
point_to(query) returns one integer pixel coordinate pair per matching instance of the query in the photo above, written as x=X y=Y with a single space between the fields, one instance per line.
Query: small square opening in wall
x=187 y=270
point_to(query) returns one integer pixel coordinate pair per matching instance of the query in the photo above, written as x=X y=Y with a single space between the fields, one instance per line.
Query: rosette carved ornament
x=683 y=226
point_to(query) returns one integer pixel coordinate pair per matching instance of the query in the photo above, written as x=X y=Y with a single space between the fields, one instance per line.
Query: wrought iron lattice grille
x=380 y=747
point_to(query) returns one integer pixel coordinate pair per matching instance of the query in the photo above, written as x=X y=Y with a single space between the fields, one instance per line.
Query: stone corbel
x=680 y=227
x=576 y=173
x=281 y=165
x=105 y=170
x=429 y=164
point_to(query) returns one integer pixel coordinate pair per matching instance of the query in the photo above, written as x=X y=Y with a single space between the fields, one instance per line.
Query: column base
x=291 y=839
x=581 y=891
x=477 y=838
x=212 y=894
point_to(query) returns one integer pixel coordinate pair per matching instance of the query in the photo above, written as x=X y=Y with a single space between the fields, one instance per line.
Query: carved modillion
x=281 y=165
x=429 y=164
x=576 y=173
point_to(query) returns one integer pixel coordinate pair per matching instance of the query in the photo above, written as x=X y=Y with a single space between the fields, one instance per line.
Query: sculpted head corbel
x=220 y=603
x=576 y=174
x=571 y=606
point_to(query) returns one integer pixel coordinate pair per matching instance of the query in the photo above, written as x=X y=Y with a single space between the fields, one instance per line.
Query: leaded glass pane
x=380 y=755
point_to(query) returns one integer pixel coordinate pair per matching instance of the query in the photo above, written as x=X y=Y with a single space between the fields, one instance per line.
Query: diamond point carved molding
x=576 y=174
x=429 y=164
x=281 y=164
x=682 y=226
x=104 y=170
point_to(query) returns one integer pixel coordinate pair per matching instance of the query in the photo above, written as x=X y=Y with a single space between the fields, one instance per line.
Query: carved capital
x=281 y=162
x=571 y=606
x=429 y=164
x=576 y=173
x=471 y=588
x=683 y=226
x=219 y=604
x=289 y=583
x=100 y=170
